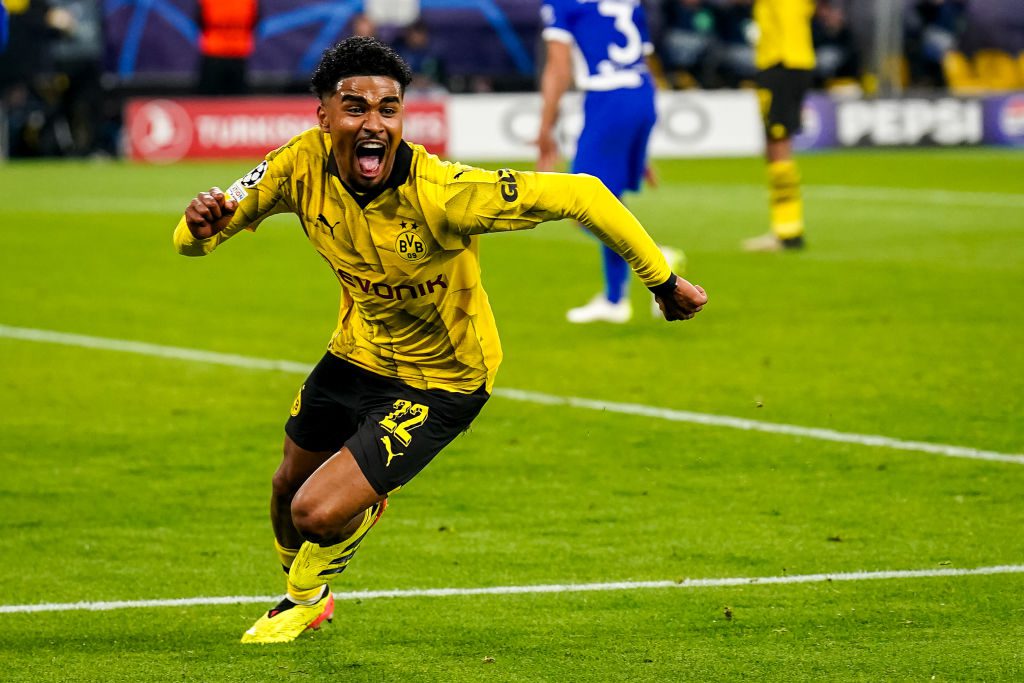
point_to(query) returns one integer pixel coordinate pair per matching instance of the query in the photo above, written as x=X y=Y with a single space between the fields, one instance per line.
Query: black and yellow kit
x=392 y=430
x=785 y=60
x=415 y=351
x=407 y=258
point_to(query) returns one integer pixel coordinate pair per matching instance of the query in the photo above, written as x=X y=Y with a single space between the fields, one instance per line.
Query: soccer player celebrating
x=413 y=358
x=785 y=60
x=609 y=42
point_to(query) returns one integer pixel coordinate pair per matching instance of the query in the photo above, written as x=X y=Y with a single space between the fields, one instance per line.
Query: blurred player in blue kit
x=601 y=45
x=3 y=26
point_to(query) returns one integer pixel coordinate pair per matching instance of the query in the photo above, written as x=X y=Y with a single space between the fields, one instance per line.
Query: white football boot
x=599 y=309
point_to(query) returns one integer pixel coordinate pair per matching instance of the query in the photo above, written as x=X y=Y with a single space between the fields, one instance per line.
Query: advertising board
x=909 y=122
x=503 y=127
x=690 y=124
x=1004 y=120
x=167 y=130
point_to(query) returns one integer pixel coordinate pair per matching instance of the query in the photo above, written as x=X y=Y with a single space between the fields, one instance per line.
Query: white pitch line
x=896 y=195
x=669 y=414
x=145 y=349
x=759 y=426
x=521 y=590
x=919 y=196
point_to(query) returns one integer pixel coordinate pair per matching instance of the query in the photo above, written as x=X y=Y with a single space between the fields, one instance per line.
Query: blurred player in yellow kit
x=415 y=351
x=785 y=62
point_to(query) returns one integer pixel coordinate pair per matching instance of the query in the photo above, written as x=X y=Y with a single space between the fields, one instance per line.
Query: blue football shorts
x=617 y=125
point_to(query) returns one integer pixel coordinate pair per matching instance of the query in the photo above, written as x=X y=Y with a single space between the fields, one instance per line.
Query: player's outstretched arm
x=597 y=209
x=216 y=215
x=680 y=300
x=209 y=213
x=479 y=201
x=207 y=222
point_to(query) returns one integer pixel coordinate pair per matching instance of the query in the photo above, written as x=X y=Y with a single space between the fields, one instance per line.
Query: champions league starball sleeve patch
x=250 y=179
x=253 y=177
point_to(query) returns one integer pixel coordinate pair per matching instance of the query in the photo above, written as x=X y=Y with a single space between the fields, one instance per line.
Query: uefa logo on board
x=811 y=123
x=1011 y=119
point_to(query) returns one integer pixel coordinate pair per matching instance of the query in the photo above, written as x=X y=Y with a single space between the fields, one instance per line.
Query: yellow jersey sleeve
x=260 y=193
x=478 y=201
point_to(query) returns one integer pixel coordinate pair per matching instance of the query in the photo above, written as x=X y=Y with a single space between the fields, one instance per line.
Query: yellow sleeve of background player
x=260 y=193
x=478 y=201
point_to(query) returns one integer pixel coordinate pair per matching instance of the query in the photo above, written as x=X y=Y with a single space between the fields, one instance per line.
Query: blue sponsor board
x=933 y=121
x=1004 y=120
x=818 y=120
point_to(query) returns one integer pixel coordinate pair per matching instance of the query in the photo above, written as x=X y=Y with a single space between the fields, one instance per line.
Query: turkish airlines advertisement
x=168 y=130
x=503 y=127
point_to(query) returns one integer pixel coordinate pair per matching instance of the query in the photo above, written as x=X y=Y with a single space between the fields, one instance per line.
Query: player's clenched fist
x=686 y=301
x=209 y=213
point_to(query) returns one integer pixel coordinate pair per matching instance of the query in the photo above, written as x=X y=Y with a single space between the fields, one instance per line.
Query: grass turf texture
x=130 y=477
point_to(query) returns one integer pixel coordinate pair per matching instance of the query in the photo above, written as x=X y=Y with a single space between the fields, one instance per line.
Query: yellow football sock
x=287 y=555
x=315 y=565
x=301 y=597
x=787 y=206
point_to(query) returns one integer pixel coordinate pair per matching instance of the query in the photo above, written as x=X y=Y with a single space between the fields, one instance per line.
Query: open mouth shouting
x=364 y=119
x=370 y=159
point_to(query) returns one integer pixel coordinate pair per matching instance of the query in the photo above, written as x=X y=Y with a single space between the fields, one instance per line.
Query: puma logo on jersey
x=386 y=440
x=321 y=220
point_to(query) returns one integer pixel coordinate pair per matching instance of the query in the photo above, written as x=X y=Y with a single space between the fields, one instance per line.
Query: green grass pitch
x=133 y=477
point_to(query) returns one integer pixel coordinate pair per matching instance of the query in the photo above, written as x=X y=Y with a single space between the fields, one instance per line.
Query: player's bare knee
x=296 y=466
x=284 y=483
x=316 y=520
x=321 y=522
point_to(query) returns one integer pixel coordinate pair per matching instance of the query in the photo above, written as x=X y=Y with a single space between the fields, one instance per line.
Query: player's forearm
x=554 y=82
x=586 y=200
x=553 y=86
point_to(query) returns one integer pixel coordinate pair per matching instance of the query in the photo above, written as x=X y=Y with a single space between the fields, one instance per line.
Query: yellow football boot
x=287 y=621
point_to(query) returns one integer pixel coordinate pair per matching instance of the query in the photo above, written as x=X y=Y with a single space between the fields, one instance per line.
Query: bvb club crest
x=409 y=245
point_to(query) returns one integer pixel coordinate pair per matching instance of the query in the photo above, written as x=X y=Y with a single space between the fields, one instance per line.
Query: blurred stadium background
x=853 y=411
x=76 y=75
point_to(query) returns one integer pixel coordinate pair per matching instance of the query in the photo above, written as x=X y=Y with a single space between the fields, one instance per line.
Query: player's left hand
x=687 y=301
x=209 y=213
x=547 y=157
x=651 y=177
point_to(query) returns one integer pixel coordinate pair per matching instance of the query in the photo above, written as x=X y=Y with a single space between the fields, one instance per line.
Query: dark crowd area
x=62 y=84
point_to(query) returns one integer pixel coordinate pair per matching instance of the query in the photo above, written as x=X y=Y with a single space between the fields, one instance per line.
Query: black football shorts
x=781 y=91
x=392 y=429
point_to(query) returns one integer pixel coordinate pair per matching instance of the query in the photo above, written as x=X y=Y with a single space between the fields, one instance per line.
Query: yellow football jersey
x=784 y=28
x=407 y=256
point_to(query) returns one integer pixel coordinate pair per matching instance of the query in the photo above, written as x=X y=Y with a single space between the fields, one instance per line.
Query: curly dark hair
x=358 y=56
